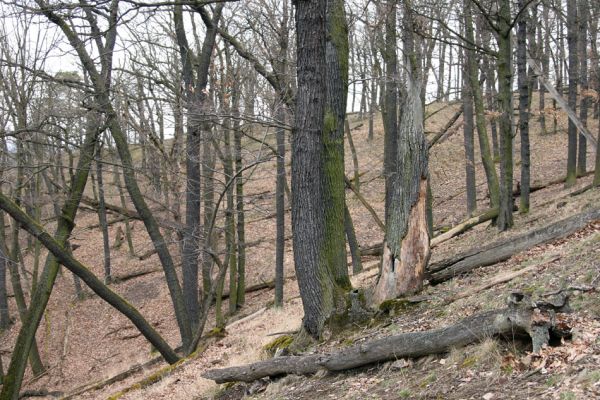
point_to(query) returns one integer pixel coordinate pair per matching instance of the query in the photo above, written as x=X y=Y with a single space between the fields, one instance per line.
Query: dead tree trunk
x=504 y=249
x=522 y=316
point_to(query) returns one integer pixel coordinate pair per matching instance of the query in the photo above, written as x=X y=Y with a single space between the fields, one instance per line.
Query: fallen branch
x=464 y=226
x=132 y=214
x=504 y=249
x=135 y=274
x=365 y=203
x=376 y=250
x=535 y=319
x=446 y=127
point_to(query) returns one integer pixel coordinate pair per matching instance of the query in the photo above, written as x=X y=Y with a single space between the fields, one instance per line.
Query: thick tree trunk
x=334 y=194
x=316 y=283
x=522 y=316
x=390 y=105
x=406 y=249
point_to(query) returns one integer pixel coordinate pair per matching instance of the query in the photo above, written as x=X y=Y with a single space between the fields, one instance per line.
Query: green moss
x=217 y=332
x=282 y=342
x=405 y=393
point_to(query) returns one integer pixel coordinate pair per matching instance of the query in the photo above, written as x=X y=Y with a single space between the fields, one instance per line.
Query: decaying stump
x=522 y=316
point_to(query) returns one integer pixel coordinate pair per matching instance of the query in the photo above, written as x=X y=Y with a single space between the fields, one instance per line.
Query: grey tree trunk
x=280 y=210
x=572 y=40
x=475 y=89
x=503 y=36
x=523 y=83
x=352 y=242
x=102 y=216
x=469 y=143
x=406 y=248
x=334 y=194
x=583 y=14
x=316 y=284
x=390 y=105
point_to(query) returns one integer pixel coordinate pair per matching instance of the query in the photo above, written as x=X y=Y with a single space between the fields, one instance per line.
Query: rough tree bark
x=406 y=248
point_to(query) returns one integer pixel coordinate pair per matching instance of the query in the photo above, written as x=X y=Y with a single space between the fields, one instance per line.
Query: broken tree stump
x=534 y=319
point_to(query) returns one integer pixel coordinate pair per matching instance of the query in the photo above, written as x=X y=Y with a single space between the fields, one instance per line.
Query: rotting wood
x=535 y=319
x=501 y=250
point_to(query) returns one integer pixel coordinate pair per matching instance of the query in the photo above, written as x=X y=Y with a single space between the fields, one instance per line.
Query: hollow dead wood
x=535 y=319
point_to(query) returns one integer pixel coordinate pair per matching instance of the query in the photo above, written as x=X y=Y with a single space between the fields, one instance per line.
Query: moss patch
x=282 y=342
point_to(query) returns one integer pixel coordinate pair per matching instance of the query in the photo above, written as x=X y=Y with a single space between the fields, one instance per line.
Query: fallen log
x=464 y=226
x=539 y=186
x=535 y=319
x=501 y=250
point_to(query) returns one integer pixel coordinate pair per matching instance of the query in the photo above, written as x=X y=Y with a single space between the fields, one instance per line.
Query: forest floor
x=84 y=342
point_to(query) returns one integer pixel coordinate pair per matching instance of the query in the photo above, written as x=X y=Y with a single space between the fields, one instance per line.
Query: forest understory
x=84 y=342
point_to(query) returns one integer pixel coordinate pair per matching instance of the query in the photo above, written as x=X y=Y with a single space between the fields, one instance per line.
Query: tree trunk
x=352 y=242
x=317 y=285
x=334 y=194
x=522 y=316
x=280 y=207
x=583 y=14
x=475 y=90
x=572 y=33
x=102 y=216
x=505 y=209
x=523 y=83
x=406 y=248
x=390 y=105
x=469 y=144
